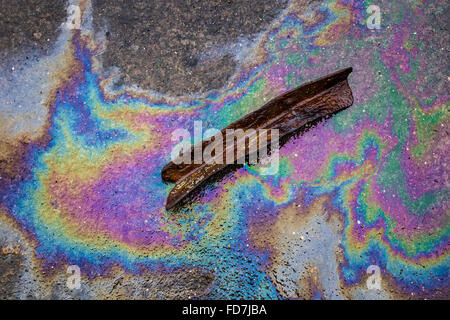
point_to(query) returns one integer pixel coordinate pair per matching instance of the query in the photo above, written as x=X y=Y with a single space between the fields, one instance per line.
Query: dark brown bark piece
x=287 y=113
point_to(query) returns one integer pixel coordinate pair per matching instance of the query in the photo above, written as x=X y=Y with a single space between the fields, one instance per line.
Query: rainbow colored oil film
x=367 y=187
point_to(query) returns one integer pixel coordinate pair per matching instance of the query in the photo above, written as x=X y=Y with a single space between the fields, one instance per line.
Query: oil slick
x=87 y=189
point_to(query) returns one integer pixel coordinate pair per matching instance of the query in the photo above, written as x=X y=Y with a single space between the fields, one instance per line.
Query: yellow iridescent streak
x=336 y=29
